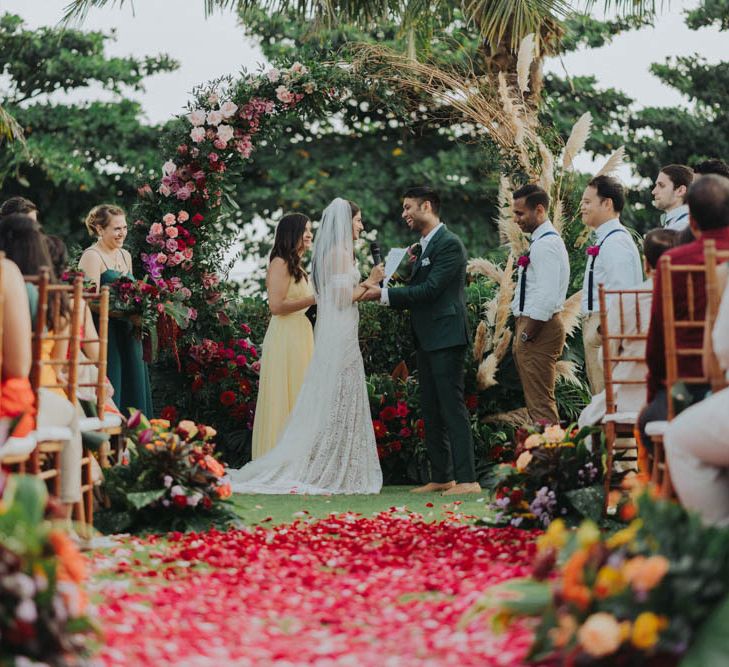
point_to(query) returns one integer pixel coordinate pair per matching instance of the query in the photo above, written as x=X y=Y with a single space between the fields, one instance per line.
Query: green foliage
x=76 y=155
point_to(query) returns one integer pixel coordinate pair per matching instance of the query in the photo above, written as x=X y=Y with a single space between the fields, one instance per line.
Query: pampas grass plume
x=577 y=140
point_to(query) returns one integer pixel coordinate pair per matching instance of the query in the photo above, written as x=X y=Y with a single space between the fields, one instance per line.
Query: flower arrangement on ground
x=43 y=604
x=399 y=429
x=555 y=472
x=638 y=596
x=169 y=479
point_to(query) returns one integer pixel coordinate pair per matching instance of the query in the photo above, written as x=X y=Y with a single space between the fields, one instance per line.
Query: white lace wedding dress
x=328 y=444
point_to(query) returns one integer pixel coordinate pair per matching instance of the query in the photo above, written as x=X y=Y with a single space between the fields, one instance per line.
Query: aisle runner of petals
x=347 y=590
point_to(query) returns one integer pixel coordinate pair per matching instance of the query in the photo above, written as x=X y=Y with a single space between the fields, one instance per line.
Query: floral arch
x=180 y=232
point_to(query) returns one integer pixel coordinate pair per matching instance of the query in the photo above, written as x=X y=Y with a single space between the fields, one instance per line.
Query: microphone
x=376 y=255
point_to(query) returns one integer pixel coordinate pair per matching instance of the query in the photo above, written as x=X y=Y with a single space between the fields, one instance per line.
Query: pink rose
x=273 y=75
x=214 y=117
x=161 y=258
x=225 y=133
x=183 y=194
x=192 y=313
x=168 y=219
x=197 y=117
x=284 y=94
x=593 y=250
x=179 y=257
x=186 y=293
x=171 y=245
x=172 y=232
x=187 y=253
x=164 y=190
x=298 y=68
x=213 y=157
x=219 y=144
x=156 y=229
x=197 y=134
x=213 y=99
x=169 y=168
x=183 y=216
x=228 y=109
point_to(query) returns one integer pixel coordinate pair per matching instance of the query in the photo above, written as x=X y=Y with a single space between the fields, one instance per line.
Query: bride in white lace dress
x=328 y=444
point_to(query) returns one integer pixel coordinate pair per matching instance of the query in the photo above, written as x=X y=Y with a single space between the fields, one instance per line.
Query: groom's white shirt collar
x=424 y=240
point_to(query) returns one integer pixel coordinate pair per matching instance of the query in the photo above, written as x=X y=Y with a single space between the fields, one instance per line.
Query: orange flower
x=565 y=630
x=609 y=581
x=574 y=589
x=213 y=466
x=71 y=564
x=160 y=423
x=646 y=629
x=643 y=573
x=523 y=461
x=224 y=491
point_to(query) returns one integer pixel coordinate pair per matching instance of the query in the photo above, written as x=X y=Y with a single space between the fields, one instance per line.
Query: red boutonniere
x=523 y=261
x=593 y=250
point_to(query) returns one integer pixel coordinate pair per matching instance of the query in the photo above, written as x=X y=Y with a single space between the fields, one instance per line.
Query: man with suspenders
x=612 y=260
x=544 y=275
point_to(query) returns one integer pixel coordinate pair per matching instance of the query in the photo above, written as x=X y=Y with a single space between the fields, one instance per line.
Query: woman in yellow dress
x=289 y=341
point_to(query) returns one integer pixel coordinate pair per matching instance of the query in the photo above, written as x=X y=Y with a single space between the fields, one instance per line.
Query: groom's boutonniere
x=404 y=271
x=523 y=261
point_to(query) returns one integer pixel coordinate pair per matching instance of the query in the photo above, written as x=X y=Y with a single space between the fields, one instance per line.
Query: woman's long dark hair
x=289 y=237
x=23 y=243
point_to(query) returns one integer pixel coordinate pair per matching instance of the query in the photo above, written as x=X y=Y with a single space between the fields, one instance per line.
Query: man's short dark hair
x=708 y=202
x=533 y=195
x=424 y=193
x=656 y=242
x=609 y=188
x=17 y=205
x=679 y=174
x=712 y=166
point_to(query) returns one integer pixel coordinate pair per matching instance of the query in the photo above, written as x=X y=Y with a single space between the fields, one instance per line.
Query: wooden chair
x=696 y=319
x=632 y=325
x=46 y=458
x=713 y=258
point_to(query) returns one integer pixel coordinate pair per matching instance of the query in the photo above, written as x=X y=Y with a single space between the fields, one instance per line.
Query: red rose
x=388 y=413
x=405 y=432
x=402 y=409
x=169 y=412
x=420 y=428
x=180 y=501
x=245 y=387
x=472 y=402
x=197 y=219
x=379 y=428
x=227 y=398
x=207 y=503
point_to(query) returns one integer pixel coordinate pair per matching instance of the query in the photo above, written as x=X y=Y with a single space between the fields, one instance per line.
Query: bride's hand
x=377 y=275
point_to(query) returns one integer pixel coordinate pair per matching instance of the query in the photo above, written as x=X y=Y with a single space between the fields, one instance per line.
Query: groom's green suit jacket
x=436 y=295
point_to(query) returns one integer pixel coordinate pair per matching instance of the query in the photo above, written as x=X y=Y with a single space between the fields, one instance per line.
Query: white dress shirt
x=617 y=265
x=547 y=276
x=424 y=240
x=676 y=219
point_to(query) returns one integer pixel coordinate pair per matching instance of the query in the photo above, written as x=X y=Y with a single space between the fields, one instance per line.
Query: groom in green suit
x=436 y=299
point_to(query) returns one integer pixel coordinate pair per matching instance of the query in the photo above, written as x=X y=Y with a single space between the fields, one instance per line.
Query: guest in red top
x=708 y=201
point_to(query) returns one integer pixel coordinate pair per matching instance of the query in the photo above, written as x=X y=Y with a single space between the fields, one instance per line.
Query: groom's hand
x=372 y=294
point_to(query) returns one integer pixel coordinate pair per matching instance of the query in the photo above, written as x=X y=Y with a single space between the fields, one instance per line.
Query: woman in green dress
x=103 y=263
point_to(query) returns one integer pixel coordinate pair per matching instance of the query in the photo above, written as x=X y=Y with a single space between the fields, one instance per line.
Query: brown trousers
x=536 y=362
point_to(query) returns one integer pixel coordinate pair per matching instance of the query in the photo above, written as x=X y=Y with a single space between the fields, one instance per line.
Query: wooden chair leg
x=610 y=435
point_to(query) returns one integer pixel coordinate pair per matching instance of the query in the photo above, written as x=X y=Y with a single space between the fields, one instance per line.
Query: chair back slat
x=99 y=303
x=713 y=257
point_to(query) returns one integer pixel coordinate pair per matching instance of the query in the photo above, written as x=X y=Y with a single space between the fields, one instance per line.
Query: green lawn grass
x=276 y=509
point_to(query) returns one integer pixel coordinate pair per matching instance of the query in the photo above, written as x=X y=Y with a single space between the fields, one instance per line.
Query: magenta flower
x=593 y=250
x=523 y=261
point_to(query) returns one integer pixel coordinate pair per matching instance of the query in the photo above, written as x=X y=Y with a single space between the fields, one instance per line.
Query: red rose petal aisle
x=345 y=590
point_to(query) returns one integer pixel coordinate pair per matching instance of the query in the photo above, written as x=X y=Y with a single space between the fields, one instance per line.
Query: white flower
x=165 y=191
x=197 y=134
x=169 y=168
x=273 y=75
x=177 y=490
x=194 y=499
x=213 y=99
x=225 y=133
x=214 y=117
x=26 y=611
x=20 y=584
x=228 y=109
x=197 y=117
x=168 y=481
